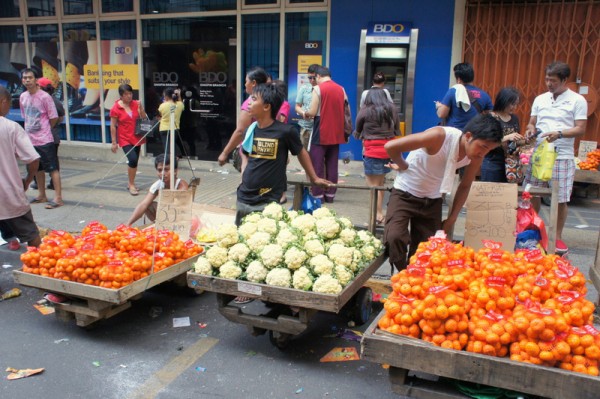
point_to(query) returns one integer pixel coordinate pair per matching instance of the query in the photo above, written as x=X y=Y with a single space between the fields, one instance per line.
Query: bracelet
x=560 y=134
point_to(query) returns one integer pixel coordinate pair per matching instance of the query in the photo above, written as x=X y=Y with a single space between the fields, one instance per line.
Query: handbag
x=514 y=168
x=309 y=203
x=543 y=160
x=143 y=127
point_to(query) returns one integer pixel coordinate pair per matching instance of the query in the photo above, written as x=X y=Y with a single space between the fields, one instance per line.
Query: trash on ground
x=181 y=322
x=6 y=266
x=58 y=341
x=97 y=364
x=251 y=353
x=16 y=374
x=13 y=293
x=202 y=325
x=155 y=311
x=582 y=226
x=299 y=391
x=341 y=355
x=44 y=308
x=201 y=369
x=350 y=335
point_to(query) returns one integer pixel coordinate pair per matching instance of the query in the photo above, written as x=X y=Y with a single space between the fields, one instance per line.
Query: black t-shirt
x=264 y=179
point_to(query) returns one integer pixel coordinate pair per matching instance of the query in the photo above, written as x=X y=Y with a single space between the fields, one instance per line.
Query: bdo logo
x=123 y=50
x=165 y=77
x=311 y=45
x=388 y=28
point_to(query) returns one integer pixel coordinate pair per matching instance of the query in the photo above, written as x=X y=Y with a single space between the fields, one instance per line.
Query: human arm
x=141 y=111
x=441 y=110
x=54 y=122
x=141 y=208
x=32 y=168
x=530 y=128
x=236 y=137
x=575 y=131
x=462 y=192
x=299 y=110
x=430 y=140
x=307 y=165
x=113 y=133
x=314 y=104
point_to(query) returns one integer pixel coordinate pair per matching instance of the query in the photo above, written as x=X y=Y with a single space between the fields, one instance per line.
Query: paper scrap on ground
x=44 y=309
x=16 y=374
x=5 y=266
x=350 y=335
x=181 y=322
x=582 y=226
x=58 y=341
x=341 y=355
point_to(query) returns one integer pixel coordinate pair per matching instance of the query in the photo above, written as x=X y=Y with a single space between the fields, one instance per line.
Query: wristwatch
x=560 y=135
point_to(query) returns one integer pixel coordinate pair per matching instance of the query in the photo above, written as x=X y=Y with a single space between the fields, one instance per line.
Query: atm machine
x=391 y=48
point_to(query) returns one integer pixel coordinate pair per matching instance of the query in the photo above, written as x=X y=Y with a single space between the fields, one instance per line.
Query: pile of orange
x=525 y=305
x=105 y=258
x=592 y=162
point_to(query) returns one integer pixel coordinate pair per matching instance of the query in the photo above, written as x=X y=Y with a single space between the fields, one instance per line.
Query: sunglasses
x=312 y=77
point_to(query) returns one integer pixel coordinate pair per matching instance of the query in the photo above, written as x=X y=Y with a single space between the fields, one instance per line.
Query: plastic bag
x=542 y=162
x=309 y=203
x=528 y=219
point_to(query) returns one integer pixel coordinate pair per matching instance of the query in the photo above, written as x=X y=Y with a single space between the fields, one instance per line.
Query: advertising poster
x=301 y=55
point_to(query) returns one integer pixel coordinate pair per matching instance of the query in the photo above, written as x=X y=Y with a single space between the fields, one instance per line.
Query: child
x=267 y=144
x=148 y=206
x=427 y=172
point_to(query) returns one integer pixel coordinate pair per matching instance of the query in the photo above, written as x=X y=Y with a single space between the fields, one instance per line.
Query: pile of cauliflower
x=319 y=252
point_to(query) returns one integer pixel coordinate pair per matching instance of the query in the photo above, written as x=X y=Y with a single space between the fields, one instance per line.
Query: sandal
x=38 y=200
x=54 y=205
x=55 y=298
x=133 y=190
x=240 y=300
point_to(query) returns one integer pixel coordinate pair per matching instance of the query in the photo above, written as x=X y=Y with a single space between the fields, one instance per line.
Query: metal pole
x=172 y=146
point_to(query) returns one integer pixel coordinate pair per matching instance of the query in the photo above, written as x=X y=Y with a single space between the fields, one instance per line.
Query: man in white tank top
x=414 y=211
x=148 y=206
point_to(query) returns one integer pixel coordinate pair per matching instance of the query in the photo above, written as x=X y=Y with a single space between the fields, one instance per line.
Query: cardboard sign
x=491 y=214
x=174 y=212
x=585 y=147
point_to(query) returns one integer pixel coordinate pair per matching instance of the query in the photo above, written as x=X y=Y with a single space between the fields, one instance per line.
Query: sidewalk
x=95 y=188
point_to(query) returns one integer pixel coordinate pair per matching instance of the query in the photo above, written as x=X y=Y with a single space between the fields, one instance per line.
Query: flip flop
x=38 y=200
x=133 y=190
x=54 y=205
x=240 y=300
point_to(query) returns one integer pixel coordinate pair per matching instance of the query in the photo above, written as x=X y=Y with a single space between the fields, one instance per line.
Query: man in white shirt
x=561 y=115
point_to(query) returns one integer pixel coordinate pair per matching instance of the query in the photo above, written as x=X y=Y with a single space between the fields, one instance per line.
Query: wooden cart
x=90 y=303
x=404 y=354
x=281 y=321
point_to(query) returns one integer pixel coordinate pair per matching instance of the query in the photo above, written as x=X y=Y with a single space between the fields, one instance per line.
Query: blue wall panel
x=435 y=21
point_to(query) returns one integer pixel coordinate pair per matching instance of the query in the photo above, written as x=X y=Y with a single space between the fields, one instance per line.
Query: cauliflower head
x=238 y=252
x=256 y=272
x=305 y=223
x=203 y=266
x=254 y=217
x=294 y=257
x=274 y=211
x=302 y=279
x=321 y=264
x=346 y=223
x=311 y=235
x=230 y=270
x=227 y=235
x=327 y=284
x=314 y=247
x=357 y=260
x=368 y=252
x=286 y=237
x=271 y=255
x=365 y=236
x=291 y=215
x=322 y=212
x=347 y=235
x=247 y=229
x=328 y=227
x=341 y=254
x=267 y=225
x=343 y=275
x=216 y=255
x=258 y=240
x=279 y=277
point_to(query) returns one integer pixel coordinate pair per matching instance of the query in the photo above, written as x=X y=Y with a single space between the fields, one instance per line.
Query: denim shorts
x=376 y=166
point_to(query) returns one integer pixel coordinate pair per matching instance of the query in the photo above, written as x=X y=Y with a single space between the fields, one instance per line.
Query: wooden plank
x=286 y=296
x=415 y=354
x=86 y=291
x=379 y=286
x=282 y=323
x=587 y=176
x=421 y=389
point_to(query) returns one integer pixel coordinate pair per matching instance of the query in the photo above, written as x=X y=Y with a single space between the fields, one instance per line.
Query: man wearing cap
x=40 y=116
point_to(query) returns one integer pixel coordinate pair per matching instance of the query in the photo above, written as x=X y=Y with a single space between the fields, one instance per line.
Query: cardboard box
x=585 y=147
x=491 y=214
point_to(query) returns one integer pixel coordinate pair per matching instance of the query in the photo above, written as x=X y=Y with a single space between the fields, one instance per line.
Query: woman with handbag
x=123 y=116
x=171 y=102
x=376 y=124
x=502 y=164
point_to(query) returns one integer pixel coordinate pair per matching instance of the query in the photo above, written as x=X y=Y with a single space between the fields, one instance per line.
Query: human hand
x=392 y=165
x=114 y=147
x=222 y=159
x=513 y=137
x=323 y=183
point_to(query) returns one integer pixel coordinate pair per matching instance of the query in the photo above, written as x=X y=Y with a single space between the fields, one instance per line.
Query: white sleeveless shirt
x=425 y=172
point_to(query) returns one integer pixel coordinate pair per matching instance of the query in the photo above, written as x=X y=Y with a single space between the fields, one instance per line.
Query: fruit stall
x=101 y=271
x=298 y=264
x=518 y=321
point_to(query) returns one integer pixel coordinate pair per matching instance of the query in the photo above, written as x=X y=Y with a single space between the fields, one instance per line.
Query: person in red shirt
x=327 y=108
x=123 y=115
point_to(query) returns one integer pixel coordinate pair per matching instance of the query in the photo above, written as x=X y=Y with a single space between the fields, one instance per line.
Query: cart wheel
x=279 y=339
x=363 y=301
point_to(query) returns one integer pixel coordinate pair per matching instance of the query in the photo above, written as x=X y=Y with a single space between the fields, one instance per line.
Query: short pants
x=48 y=157
x=23 y=227
x=376 y=166
x=563 y=174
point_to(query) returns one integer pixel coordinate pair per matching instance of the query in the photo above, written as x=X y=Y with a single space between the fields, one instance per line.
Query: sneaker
x=561 y=247
x=14 y=245
x=55 y=298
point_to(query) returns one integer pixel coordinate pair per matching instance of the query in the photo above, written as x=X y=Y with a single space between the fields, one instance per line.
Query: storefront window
x=117 y=6
x=261 y=43
x=259 y=2
x=307 y=1
x=161 y=6
x=10 y=9
x=77 y=7
x=12 y=60
x=197 y=55
x=41 y=8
